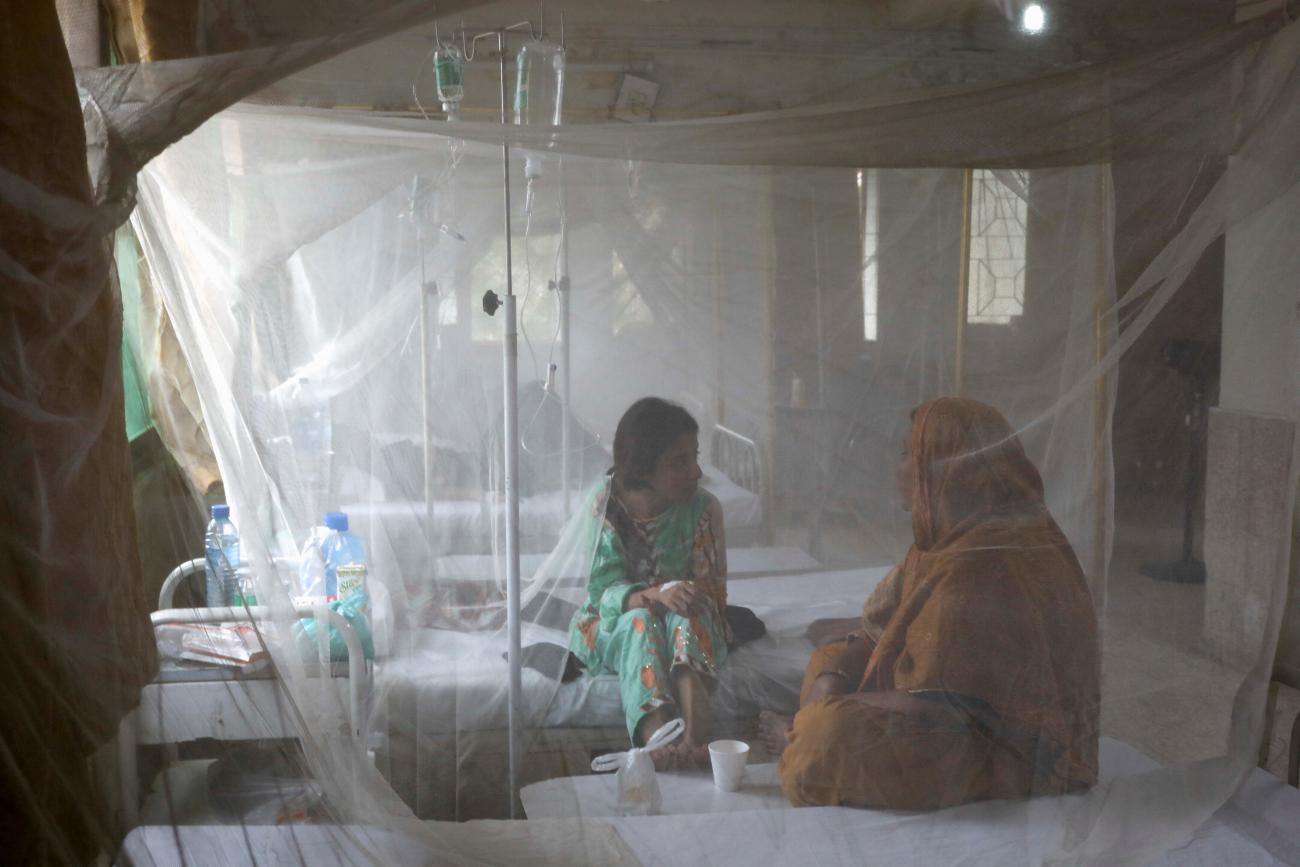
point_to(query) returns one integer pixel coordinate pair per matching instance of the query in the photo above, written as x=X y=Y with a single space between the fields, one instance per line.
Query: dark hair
x=644 y=433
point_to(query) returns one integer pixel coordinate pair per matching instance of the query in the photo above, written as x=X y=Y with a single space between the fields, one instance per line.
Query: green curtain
x=138 y=417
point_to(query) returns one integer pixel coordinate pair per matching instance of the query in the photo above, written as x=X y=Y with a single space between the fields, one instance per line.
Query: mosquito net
x=805 y=282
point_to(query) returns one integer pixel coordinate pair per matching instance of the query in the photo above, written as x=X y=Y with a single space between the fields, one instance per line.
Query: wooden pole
x=963 y=283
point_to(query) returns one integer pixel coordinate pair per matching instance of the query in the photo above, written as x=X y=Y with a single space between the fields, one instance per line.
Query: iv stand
x=562 y=286
x=510 y=355
x=426 y=386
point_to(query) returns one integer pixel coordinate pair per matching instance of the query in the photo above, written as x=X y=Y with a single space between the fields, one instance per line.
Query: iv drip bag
x=448 y=63
x=539 y=91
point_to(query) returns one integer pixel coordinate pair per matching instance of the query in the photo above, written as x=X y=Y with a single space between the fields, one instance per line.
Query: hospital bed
x=445 y=744
x=187 y=702
x=1256 y=827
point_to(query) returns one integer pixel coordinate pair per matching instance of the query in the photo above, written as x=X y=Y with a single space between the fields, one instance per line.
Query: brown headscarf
x=990 y=603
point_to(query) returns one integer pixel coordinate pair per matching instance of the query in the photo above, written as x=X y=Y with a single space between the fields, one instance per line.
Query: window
x=869 y=209
x=628 y=307
x=999 y=212
x=448 y=310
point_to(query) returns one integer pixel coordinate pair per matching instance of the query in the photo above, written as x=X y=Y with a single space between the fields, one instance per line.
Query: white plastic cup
x=728 y=759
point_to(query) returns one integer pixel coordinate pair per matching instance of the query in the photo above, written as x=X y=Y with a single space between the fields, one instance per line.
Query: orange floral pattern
x=588 y=629
x=705 y=638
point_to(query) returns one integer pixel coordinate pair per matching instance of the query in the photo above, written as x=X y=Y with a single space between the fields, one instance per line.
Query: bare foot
x=772 y=727
x=669 y=758
x=696 y=756
x=680 y=757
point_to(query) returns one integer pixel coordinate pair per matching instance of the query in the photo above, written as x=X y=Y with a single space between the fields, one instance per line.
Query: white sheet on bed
x=458 y=676
x=692 y=792
x=1256 y=828
x=483 y=842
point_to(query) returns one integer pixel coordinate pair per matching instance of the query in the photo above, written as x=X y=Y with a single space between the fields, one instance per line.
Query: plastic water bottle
x=222 y=544
x=344 y=557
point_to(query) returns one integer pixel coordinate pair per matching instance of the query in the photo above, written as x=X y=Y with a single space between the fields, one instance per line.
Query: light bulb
x=1034 y=18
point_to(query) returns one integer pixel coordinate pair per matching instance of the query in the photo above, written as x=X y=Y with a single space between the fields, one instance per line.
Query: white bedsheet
x=484 y=842
x=1256 y=828
x=688 y=793
x=458 y=677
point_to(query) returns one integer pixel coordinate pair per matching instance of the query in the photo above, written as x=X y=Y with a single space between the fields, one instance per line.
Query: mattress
x=457 y=680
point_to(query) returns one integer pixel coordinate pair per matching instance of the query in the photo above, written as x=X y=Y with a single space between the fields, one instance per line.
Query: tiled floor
x=1161 y=691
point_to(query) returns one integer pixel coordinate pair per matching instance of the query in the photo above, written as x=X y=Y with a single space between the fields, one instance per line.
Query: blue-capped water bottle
x=344 y=557
x=222 y=544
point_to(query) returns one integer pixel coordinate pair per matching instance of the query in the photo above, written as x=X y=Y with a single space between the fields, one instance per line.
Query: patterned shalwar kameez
x=643 y=647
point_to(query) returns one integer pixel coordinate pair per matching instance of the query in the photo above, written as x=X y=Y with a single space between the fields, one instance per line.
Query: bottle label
x=352 y=579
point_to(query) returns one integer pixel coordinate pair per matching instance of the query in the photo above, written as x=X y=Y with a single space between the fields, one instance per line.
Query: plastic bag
x=638 y=787
x=235 y=645
x=304 y=631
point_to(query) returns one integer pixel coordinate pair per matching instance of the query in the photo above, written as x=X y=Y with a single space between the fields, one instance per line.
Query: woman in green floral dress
x=657 y=592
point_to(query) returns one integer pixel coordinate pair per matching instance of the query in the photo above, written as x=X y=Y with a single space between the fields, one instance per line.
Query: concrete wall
x=1251 y=483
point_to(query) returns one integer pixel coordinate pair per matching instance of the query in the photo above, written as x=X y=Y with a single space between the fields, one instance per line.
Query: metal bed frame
x=183 y=704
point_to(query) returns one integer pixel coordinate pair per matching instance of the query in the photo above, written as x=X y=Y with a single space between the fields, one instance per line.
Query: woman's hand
x=682 y=598
x=842 y=674
x=830 y=683
x=829 y=630
x=647 y=599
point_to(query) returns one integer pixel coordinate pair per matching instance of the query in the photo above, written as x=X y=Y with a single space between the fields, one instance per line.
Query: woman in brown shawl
x=974 y=673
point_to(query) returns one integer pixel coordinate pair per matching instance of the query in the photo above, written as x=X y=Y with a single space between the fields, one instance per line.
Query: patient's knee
x=827 y=761
x=639 y=620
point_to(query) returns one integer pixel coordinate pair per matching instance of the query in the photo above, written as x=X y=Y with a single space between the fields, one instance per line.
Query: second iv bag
x=539 y=91
x=539 y=83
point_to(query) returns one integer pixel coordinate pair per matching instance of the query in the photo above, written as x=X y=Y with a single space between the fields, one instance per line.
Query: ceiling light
x=1034 y=18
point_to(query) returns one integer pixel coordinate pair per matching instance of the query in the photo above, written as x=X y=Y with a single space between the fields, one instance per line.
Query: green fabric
x=640 y=646
x=610 y=580
x=304 y=631
x=139 y=418
x=608 y=587
x=643 y=648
